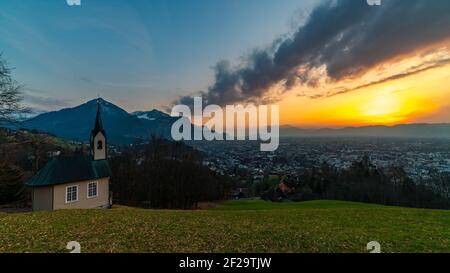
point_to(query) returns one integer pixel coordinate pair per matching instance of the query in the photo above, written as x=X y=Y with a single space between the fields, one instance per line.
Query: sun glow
x=383 y=104
x=398 y=101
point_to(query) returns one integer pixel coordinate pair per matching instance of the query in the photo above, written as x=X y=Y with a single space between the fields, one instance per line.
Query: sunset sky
x=326 y=63
x=423 y=97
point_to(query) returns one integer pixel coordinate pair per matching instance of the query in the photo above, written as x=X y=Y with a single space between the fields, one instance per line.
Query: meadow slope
x=235 y=226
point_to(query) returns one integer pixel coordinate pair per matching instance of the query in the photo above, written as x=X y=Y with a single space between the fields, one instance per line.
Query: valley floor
x=235 y=226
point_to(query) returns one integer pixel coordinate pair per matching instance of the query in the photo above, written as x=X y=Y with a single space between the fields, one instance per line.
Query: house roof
x=69 y=169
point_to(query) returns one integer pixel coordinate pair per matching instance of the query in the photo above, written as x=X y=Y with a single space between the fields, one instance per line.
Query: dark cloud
x=347 y=36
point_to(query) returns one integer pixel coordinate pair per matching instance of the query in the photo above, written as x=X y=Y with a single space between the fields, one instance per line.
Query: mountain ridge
x=416 y=130
x=122 y=127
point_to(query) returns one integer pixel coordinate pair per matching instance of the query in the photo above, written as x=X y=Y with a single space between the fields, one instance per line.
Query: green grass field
x=235 y=226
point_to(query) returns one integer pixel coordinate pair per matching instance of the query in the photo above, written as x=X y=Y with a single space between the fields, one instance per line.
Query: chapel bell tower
x=98 y=137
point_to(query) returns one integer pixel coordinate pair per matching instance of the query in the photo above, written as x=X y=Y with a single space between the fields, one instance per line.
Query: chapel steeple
x=98 y=137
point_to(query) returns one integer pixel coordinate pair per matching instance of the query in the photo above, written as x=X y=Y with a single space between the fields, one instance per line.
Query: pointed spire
x=98 y=141
x=98 y=121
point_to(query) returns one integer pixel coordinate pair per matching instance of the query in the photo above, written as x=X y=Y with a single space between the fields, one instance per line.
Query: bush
x=11 y=185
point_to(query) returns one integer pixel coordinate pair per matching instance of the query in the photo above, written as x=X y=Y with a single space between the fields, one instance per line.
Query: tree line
x=164 y=174
x=363 y=182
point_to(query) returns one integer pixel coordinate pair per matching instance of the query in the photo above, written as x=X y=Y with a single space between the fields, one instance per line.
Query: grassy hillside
x=237 y=226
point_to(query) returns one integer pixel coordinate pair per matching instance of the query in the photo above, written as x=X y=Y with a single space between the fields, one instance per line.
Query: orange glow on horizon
x=400 y=101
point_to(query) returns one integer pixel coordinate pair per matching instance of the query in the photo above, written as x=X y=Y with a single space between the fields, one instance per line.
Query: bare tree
x=10 y=94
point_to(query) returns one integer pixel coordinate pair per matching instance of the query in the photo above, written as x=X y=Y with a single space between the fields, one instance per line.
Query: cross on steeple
x=98 y=127
x=98 y=136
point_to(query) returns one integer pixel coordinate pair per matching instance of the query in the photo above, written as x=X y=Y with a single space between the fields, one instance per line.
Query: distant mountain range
x=125 y=128
x=406 y=130
x=150 y=115
x=121 y=127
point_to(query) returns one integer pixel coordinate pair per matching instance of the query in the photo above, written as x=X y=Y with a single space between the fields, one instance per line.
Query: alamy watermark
x=233 y=122
x=373 y=2
x=374 y=247
x=74 y=246
x=73 y=2
x=78 y=2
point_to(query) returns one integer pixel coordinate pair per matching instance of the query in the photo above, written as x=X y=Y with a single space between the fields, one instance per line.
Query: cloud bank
x=345 y=37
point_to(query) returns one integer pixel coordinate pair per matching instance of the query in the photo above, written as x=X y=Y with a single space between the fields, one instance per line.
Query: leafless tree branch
x=11 y=94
